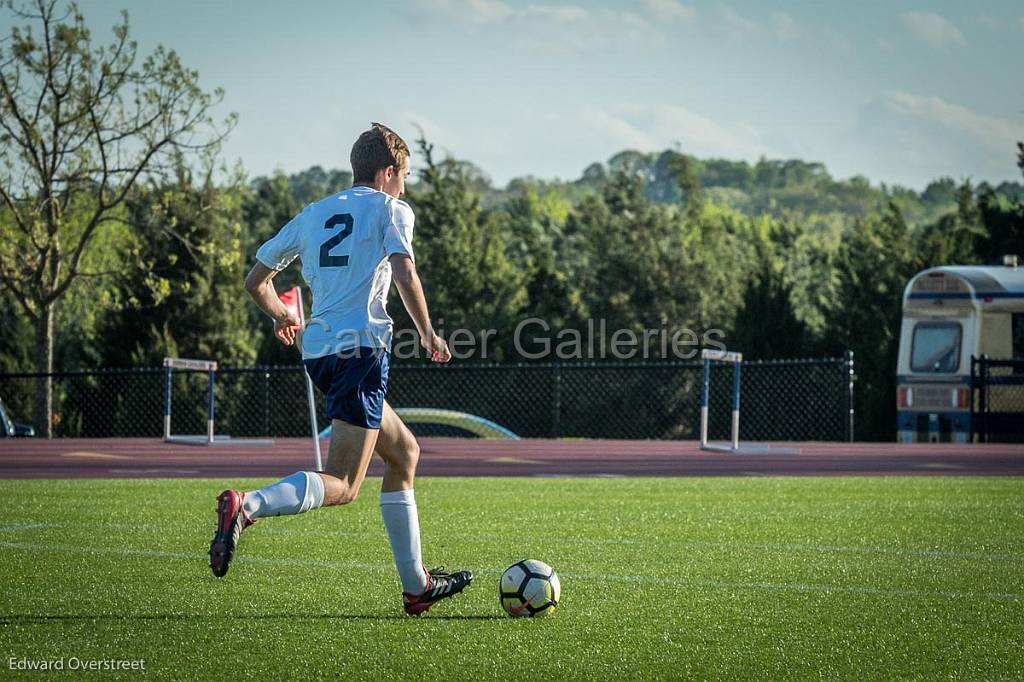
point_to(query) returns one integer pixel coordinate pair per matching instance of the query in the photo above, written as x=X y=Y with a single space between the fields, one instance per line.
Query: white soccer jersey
x=344 y=242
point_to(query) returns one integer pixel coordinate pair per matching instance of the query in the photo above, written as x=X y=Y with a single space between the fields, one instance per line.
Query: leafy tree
x=954 y=238
x=691 y=194
x=724 y=173
x=533 y=221
x=15 y=354
x=1002 y=213
x=79 y=126
x=875 y=261
x=315 y=183
x=470 y=279
x=939 y=192
x=644 y=265
x=190 y=290
x=269 y=204
x=771 y=322
x=633 y=163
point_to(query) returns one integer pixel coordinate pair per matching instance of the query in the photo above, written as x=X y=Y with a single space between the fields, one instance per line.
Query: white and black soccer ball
x=529 y=588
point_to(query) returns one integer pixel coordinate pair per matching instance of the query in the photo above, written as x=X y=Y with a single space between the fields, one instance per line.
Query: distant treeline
x=784 y=259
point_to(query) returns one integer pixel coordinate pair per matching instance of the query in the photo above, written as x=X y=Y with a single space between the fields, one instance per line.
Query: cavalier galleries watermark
x=75 y=664
x=532 y=339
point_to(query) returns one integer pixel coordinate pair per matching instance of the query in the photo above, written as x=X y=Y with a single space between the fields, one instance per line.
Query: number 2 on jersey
x=326 y=259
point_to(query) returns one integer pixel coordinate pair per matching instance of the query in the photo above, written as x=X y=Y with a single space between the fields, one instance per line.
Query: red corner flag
x=292 y=300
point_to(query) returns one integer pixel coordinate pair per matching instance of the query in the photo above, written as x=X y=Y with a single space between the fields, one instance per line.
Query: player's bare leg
x=397 y=446
x=349 y=456
x=347 y=460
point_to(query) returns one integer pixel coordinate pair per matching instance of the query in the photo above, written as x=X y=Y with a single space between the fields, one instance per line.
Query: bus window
x=936 y=347
x=1018 y=335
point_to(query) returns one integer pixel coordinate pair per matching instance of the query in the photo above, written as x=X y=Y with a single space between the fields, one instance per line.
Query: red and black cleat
x=440 y=585
x=231 y=521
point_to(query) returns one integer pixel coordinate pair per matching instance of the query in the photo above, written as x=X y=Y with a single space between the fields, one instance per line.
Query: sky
x=900 y=92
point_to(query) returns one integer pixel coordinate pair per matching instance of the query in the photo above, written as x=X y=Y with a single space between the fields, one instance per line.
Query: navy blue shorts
x=354 y=386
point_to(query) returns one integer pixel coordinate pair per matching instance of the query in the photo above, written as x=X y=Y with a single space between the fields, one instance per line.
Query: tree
x=875 y=262
x=191 y=286
x=954 y=238
x=533 y=223
x=79 y=126
x=769 y=325
x=470 y=279
x=681 y=167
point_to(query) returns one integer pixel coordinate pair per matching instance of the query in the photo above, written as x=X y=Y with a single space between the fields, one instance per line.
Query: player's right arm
x=403 y=270
x=271 y=258
x=260 y=285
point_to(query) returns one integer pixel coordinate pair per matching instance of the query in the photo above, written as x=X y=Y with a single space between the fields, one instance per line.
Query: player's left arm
x=260 y=285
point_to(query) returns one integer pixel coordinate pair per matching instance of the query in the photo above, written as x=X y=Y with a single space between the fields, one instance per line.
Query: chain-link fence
x=997 y=401
x=781 y=399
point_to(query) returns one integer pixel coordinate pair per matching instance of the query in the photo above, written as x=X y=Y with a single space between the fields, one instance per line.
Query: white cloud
x=986 y=20
x=469 y=11
x=559 y=13
x=489 y=10
x=780 y=25
x=836 y=39
x=784 y=27
x=671 y=10
x=932 y=28
x=615 y=132
x=548 y=27
x=913 y=139
x=998 y=134
x=659 y=126
x=735 y=24
x=434 y=132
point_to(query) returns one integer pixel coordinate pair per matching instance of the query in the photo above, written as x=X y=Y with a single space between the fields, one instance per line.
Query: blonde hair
x=375 y=150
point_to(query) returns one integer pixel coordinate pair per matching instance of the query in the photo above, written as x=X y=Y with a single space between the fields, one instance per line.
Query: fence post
x=983 y=406
x=168 y=383
x=210 y=406
x=556 y=408
x=972 y=386
x=848 y=364
x=266 y=403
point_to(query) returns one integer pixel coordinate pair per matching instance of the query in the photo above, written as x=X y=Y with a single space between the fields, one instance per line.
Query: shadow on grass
x=85 y=617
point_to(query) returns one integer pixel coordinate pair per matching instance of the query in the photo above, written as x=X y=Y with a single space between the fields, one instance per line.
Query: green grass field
x=661 y=579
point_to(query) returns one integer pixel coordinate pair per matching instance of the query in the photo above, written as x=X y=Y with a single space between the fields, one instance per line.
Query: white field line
x=796 y=587
x=718 y=584
x=661 y=542
x=18 y=527
x=164 y=528
x=190 y=556
x=925 y=553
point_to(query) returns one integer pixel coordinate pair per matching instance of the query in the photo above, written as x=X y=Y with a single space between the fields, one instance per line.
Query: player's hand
x=286 y=328
x=437 y=347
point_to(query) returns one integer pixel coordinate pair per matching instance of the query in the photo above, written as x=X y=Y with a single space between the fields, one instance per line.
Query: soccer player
x=350 y=244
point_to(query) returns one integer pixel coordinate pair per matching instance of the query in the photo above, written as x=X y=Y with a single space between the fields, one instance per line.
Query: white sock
x=295 y=494
x=402 y=521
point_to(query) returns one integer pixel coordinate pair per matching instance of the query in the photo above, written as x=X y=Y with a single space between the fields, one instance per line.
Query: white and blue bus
x=950 y=314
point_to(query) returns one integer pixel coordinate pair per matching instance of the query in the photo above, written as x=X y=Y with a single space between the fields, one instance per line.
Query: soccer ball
x=529 y=588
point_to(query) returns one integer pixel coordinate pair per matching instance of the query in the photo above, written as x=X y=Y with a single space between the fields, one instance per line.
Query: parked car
x=10 y=428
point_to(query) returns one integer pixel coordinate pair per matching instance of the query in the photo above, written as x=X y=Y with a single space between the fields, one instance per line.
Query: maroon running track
x=152 y=458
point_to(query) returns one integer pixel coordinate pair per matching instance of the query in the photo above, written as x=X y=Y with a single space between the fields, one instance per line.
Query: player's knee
x=412 y=454
x=408 y=456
